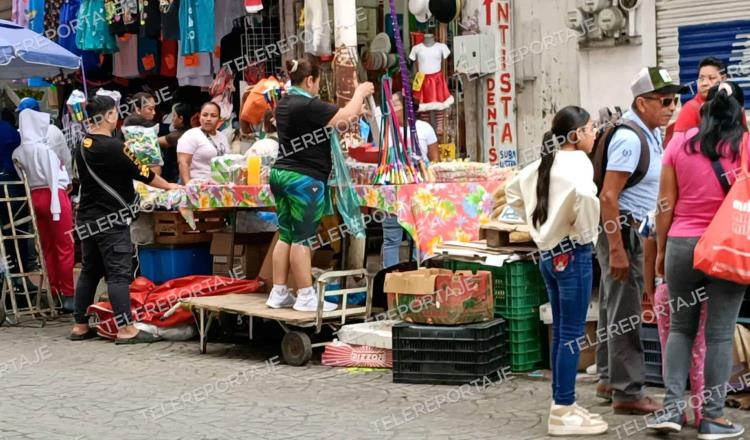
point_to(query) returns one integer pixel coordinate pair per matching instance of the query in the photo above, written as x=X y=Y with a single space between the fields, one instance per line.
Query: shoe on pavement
x=641 y=407
x=669 y=422
x=572 y=420
x=604 y=391
x=280 y=299
x=309 y=303
x=711 y=430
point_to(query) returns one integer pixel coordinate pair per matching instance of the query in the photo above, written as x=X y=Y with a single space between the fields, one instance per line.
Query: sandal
x=84 y=336
x=140 y=338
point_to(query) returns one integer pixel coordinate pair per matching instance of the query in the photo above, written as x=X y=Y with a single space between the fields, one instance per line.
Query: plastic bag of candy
x=229 y=168
x=144 y=143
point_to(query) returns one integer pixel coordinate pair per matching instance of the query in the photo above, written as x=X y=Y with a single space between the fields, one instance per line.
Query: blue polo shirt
x=623 y=155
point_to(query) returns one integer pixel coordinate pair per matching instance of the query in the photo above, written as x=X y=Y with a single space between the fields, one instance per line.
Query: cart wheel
x=296 y=348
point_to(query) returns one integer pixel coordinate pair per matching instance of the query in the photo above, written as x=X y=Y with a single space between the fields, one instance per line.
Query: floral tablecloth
x=435 y=212
x=430 y=212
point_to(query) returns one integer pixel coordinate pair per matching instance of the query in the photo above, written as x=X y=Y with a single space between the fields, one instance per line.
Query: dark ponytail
x=722 y=125
x=300 y=69
x=564 y=125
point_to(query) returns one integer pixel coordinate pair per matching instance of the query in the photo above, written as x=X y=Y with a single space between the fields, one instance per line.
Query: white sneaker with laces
x=280 y=298
x=573 y=420
x=308 y=302
x=575 y=404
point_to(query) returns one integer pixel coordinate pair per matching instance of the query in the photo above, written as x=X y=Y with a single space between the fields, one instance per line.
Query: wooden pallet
x=171 y=228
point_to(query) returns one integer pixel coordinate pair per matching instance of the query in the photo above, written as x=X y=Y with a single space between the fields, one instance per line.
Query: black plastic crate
x=449 y=373
x=481 y=331
x=448 y=354
x=652 y=354
x=653 y=375
x=431 y=354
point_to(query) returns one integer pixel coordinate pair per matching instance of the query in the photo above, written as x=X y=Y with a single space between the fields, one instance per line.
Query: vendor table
x=430 y=212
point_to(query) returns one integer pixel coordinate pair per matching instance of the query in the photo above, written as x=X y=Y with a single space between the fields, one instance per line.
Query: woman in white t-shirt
x=199 y=145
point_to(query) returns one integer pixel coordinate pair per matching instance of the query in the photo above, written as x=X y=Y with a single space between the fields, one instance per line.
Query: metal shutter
x=725 y=33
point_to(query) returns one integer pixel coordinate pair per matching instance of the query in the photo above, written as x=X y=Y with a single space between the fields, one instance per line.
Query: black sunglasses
x=665 y=102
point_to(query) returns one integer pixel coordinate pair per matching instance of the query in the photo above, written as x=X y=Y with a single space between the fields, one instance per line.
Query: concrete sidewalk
x=56 y=389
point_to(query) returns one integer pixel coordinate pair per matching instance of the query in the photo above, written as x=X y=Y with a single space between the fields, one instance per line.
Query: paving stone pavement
x=56 y=389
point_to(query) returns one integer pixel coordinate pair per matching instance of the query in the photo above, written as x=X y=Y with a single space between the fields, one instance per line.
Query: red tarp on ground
x=149 y=302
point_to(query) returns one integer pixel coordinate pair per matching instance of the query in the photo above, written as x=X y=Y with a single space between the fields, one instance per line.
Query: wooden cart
x=296 y=347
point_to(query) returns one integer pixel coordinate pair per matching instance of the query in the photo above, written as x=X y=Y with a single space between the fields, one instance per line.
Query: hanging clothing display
x=122 y=16
x=317 y=24
x=196 y=26
x=19 y=12
x=67 y=34
x=434 y=94
x=170 y=21
x=93 y=33
x=125 y=63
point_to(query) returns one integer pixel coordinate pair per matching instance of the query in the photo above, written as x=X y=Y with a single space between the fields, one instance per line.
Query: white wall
x=606 y=74
x=546 y=79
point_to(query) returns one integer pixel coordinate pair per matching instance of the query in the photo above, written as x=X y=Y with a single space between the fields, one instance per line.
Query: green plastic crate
x=498 y=279
x=525 y=343
x=521 y=362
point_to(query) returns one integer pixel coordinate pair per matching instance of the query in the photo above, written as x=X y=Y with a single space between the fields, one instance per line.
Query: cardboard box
x=320 y=258
x=588 y=354
x=498 y=234
x=249 y=250
x=440 y=296
x=740 y=376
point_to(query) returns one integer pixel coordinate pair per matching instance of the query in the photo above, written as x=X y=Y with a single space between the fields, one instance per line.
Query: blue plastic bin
x=163 y=263
x=353 y=299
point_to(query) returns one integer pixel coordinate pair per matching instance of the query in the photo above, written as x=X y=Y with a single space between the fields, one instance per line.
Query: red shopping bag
x=724 y=249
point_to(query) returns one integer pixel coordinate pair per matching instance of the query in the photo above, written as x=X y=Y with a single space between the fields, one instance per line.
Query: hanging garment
x=226 y=12
x=35 y=16
x=170 y=20
x=93 y=32
x=19 y=12
x=434 y=93
x=148 y=56
x=317 y=25
x=196 y=26
x=122 y=16
x=150 y=23
x=194 y=69
x=52 y=15
x=168 y=65
x=125 y=63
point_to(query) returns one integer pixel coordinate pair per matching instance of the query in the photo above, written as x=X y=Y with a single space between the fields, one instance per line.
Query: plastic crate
x=161 y=263
x=448 y=354
x=652 y=354
x=525 y=343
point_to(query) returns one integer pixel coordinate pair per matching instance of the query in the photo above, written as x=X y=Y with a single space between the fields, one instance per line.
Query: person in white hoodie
x=556 y=195
x=48 y=180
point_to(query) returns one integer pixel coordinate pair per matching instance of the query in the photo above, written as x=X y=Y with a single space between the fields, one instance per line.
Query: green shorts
x=300 y=204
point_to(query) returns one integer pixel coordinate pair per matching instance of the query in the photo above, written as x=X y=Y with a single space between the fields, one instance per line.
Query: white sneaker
x=575 y=404
x=280 y=299
x=309 y=303
x=570 y=420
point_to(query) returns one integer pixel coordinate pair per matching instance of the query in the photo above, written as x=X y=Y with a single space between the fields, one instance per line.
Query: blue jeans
x=568 y=276
x=393 y=234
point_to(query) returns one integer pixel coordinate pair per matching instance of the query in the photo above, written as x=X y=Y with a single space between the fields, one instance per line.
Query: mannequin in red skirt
x=429 y=55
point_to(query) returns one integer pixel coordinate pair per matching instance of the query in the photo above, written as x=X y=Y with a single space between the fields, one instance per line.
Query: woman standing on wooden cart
x=556 y=196
x=300 y=175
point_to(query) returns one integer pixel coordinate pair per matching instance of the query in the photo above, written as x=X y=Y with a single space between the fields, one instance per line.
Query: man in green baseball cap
x=630 y=188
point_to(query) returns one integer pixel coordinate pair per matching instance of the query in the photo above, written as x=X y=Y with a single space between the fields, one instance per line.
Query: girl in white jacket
x=556 y=196
x=48 y=181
